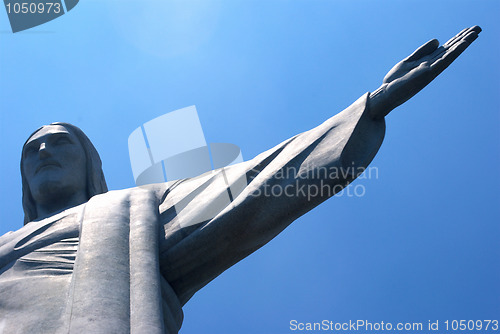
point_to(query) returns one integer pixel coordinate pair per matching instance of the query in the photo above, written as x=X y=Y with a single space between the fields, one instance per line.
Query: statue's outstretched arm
x=412 y=74
x=286 y=181
x=280 y=185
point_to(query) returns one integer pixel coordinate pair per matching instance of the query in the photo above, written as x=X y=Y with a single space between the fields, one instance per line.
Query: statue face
x=54 y=164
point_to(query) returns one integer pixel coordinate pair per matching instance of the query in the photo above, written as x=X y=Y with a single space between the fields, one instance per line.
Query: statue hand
x=412 y=74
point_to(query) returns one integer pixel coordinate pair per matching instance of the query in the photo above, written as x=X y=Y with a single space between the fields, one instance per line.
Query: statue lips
x=44 y=164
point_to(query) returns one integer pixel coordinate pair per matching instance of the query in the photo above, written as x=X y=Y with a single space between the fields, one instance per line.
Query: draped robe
x=128 y=260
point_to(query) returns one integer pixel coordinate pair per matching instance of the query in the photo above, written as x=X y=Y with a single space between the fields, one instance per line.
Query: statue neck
x=58 y=204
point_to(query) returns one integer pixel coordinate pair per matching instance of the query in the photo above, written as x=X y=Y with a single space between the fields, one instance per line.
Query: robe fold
x=127 y=261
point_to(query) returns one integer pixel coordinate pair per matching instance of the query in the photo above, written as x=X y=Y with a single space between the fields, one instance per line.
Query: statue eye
x=29 y=149
x=62 y=140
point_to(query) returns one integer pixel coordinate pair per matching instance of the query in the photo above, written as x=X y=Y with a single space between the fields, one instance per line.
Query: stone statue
x=92 y=261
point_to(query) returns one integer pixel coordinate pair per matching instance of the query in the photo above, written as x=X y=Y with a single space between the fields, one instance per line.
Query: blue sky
x=421 y=244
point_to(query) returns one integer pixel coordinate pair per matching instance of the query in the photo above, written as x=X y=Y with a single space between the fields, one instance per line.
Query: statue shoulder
x=5 y=238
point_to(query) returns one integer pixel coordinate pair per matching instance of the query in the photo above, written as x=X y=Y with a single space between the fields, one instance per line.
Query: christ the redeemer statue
x=92 y=261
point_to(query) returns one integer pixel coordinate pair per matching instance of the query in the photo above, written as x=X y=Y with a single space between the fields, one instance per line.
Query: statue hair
x=96 y=183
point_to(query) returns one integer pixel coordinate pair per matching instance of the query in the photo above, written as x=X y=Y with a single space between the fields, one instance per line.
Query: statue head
x=57 y=162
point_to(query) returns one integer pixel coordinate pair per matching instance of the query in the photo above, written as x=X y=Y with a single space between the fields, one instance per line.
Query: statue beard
x=54 y=196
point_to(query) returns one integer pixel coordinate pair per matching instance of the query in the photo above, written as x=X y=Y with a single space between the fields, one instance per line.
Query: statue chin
x=53 y=193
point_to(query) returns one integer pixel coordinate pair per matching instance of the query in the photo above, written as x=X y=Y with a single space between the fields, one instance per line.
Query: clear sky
x=421 y=244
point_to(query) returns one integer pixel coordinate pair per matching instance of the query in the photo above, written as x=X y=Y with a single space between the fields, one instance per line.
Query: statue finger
x=462 y=34
x=456 y=37
x=452 y=53
x=437 y=54
x=471 y=37
x=441 y=64
x=423 y=51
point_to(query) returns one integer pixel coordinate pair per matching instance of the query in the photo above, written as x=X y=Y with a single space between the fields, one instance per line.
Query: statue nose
x=42 y=151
